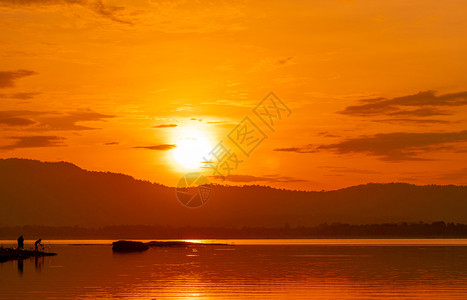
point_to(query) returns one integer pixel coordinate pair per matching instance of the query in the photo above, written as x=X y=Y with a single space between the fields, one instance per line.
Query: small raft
x=132 y=246
x=180 y=244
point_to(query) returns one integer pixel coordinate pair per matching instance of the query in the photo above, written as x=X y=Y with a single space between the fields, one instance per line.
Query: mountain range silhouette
x=62 y=194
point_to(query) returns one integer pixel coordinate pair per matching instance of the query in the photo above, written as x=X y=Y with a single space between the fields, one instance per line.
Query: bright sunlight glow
x=192 y=147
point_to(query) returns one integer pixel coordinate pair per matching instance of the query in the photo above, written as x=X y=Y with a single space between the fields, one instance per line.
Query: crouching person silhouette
x=37 y=244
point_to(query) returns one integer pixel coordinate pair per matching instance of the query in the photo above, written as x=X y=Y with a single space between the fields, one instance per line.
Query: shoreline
x=7 y=254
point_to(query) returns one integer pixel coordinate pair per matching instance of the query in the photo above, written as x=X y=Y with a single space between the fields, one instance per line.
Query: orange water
x=245 y=269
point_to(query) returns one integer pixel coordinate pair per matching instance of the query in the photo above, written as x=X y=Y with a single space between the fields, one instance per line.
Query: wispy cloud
x=162 y=147
x=272 y=63
x=395 y=147
x=265 y=178
x=412 y=121
x=422 y=104
x=70 y=120
x=8 y=78
x=20 y=96
x=336 y=169
x=174 y=16
x=165 y=126
x=51 y=121
x=419 y=112
x=454 y=175
x=327 y=134
x=108 y=11
x=15 y=121
x=34 y=142
x=298 y=149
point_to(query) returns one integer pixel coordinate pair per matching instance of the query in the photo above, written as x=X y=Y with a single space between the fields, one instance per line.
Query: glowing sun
x=192 y=147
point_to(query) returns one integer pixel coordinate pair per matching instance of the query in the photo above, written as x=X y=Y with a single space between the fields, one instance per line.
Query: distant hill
x=62 y=194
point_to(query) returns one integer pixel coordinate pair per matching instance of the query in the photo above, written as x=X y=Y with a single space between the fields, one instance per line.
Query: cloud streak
x=422 y=104
x=394 y=147
x=162 y=147
x=34 y=142
x=251 y=178
x=15 y=121
x=412 y=121
x=336 y=169
x=299 y=149
x=455 y=175
x=19 y=96
x=69 y=121
x=110 y=12
x=51 y=121
x=165 y=126
x=8 y=78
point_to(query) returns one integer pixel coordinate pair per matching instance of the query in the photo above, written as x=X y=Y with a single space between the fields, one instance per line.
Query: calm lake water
x=246 y=269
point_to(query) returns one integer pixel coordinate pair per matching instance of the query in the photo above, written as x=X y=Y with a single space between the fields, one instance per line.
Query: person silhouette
x=20 y=242
x=38 y=242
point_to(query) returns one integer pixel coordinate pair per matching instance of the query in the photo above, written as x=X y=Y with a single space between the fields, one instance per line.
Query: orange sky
x=377 y=89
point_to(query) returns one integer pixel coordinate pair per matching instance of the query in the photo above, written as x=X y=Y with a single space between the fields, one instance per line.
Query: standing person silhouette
x=20 y=242
x=38 y=242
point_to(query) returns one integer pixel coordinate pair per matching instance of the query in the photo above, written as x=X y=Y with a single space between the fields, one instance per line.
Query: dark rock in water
x=7 y=254
x=129 y=246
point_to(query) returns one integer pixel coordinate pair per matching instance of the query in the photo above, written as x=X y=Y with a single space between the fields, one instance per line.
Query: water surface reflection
x=242 y=272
